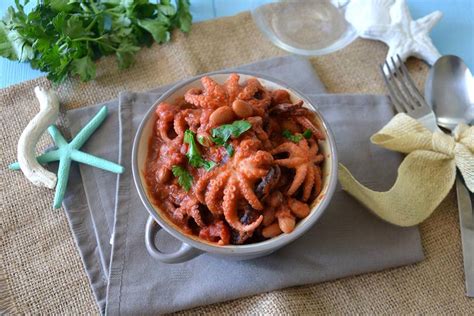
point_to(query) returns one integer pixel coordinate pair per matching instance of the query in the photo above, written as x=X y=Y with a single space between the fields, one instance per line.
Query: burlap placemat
x=41 y=271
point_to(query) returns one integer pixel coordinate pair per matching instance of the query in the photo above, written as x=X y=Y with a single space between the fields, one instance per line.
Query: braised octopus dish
x=234 y=163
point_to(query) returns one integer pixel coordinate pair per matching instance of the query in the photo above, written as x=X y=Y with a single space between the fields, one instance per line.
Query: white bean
x=272 y=230
x=268 y=216
x=222 y=115
x=287 y=224
x=242 y=109
x=300 y=209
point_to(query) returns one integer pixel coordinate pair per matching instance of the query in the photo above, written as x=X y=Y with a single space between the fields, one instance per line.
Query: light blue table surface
x=454 y=34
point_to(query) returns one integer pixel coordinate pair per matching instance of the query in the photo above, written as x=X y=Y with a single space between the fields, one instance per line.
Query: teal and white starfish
x=67 y=152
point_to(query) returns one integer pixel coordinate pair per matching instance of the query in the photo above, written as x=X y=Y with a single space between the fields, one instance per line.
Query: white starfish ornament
x=390 y=21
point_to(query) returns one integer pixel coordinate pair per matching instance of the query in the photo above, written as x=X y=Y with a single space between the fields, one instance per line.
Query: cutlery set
x=448 y=100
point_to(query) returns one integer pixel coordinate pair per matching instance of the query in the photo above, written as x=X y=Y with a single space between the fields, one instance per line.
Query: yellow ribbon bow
x=425 y=176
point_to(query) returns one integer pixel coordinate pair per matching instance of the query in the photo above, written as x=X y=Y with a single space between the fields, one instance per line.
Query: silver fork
x=405 y=96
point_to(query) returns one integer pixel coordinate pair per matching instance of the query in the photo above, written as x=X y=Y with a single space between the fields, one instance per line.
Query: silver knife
x=466 y=221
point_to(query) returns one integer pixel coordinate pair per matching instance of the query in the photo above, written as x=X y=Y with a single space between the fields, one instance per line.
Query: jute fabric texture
x=425 y=176
x=41 y=271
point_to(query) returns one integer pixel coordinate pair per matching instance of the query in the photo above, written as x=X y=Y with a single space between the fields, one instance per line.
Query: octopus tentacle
x=247 y=146
x=212 y=97
x=318 y=182
x=257 y=124
x=313 y=147
x=218 y=230
x=180 y=124
x=290 y=162
x=196 y=215
x=261 y=157
x=216 y=188
x=251 y=171
x=306 y=123
x=204 y=120
x=179 y=215
x=230 y=209
x=189 y=208
x=318 y=159
x=229 y=202
x=298 y=179
x=303 y=143
x=254 y=166
x=164 y=123
x=255 y=173
x=280 y=96
x=248 y=193
x=163 y=130
x=213 y=89
x=194 y=96
x=260 y=106
x=256 y=95
x=286 y=147
x=249 y=90
x=193 y=118
x=308 y=184
x=201 y=185
x=288 y=108
x=233 y=87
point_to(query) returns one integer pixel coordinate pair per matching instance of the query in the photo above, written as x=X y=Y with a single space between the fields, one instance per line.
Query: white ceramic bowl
x=192 y=245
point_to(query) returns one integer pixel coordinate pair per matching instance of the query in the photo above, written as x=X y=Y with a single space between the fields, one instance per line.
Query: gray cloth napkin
x=347 y=240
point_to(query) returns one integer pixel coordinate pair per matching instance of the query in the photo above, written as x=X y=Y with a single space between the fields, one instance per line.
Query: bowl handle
x=184 y=253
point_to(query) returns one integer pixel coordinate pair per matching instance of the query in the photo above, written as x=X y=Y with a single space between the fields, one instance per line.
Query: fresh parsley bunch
x=65 y=37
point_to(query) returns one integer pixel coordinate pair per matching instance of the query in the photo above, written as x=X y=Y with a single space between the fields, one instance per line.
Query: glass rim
x=347 y=37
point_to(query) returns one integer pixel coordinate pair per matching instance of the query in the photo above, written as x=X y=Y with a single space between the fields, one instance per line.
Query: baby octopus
x=235 y=180
x=172 y=123
x=233 y=163
x=304 y=158
x=215 y=95
x=256 y=95
x=212 y=97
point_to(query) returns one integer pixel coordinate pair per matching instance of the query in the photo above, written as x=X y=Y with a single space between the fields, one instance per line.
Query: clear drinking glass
x=304 y=27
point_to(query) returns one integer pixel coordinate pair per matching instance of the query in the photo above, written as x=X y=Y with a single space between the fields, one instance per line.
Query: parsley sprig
x=295 y=138
x=65 y=37
x=194 y=156
x=221 y=134
x=185 y=179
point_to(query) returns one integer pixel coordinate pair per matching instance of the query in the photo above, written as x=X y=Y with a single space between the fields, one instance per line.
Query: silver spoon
x=449 y=90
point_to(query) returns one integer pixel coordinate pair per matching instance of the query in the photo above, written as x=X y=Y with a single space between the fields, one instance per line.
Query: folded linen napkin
x=347 y=240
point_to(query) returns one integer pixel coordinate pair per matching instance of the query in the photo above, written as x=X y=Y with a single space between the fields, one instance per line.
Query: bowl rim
x=247 y=249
